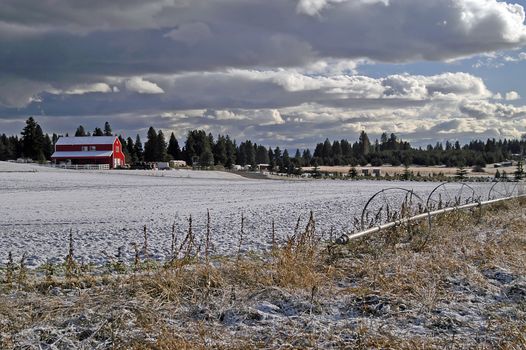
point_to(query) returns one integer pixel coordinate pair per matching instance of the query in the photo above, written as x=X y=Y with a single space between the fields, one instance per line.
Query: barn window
x=92 y=148
x=84 y=148
x=117 y=149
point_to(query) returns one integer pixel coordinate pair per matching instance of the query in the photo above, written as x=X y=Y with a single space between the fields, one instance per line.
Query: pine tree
x=336 y=153
x=173 y=148
x=285 y=164
x=3 y=147
x=107 y=129
x=298 y=160
x=241 y=154
x=33 y=140
x=271 y=162
x=14 y=147
x=150 y=146
x=137 y=149
x=161 y=154
x=230 y=152
x=48 y=147
x=364 y=143
x=262 y=155
x=39 y=147
x=220 y=151
x=80 y=131
x=206 y=158
x=278 y=161
x=326 y=152
x=250 y=153
x=130 y=147
x=98 y=132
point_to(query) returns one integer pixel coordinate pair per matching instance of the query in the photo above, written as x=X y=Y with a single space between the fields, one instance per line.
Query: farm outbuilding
x=84 y=150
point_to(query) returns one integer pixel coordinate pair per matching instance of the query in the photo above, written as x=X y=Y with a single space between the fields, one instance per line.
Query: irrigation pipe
x=345 y=238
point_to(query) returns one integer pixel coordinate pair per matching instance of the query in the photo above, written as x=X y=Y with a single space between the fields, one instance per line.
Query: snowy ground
x=108 y=210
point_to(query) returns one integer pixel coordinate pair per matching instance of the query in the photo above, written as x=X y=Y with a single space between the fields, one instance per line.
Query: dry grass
x=464 y=288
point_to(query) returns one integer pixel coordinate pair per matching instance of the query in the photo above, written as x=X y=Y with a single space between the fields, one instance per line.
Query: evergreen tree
x=336 y=153
x=14 y=147
x=251 y=154
x=206 y=158
x=3 y=147
x=107 y=129
x=33 y=140
x=220 y=151
x=278 y=161
x=230 y=152
x=241 y=154
x=40 y=145
x=130 y=147
x=307 y=158
x=364 y=144
x=298 y=160
x=196 y=142
x=150 y=146
x=271 y=161
x=327 y=152
x=98 y=132
x=161 y=154
x=262 y=155
x=346 y=150
x=48 y=147
x=173 y=148
x=80 y=131
x=137 y=149
x=286 y=163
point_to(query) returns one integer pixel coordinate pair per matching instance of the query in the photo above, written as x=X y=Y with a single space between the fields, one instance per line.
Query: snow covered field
x=108 y=210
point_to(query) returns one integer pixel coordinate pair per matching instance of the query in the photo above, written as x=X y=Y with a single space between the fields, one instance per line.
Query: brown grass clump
x=462 y=285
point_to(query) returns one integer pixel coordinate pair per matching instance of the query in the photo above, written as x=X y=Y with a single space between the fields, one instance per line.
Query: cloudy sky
x=280 y=72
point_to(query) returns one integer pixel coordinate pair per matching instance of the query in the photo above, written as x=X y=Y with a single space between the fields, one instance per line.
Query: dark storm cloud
x=135 y=37
x=248 y=62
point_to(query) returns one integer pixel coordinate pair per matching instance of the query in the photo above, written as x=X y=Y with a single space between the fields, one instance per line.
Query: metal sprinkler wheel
x=391 y=204
x=505 y=188
x=451 y=194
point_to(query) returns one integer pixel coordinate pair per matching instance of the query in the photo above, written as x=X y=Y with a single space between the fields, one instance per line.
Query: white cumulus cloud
x=141 y=86
x=512 y=96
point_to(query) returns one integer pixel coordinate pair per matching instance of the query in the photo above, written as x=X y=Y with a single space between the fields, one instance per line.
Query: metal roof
x=89 y=154
x=86 y=140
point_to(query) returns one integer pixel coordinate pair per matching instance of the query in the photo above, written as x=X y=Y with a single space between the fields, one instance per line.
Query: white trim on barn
x=102 y=154
x=86 y=140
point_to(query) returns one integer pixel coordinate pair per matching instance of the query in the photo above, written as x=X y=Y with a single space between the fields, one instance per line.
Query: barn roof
x=90 y=154
x=86 y=140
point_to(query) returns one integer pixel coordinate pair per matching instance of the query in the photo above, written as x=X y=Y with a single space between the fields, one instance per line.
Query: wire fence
x=79 y=166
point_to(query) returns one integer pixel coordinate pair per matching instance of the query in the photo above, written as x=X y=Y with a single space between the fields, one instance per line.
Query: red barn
x=90 y=150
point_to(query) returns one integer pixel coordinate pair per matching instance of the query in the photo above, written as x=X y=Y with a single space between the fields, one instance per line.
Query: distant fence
x=79 y=166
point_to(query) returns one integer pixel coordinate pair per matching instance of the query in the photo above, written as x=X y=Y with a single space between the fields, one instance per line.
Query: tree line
x=203 y=149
